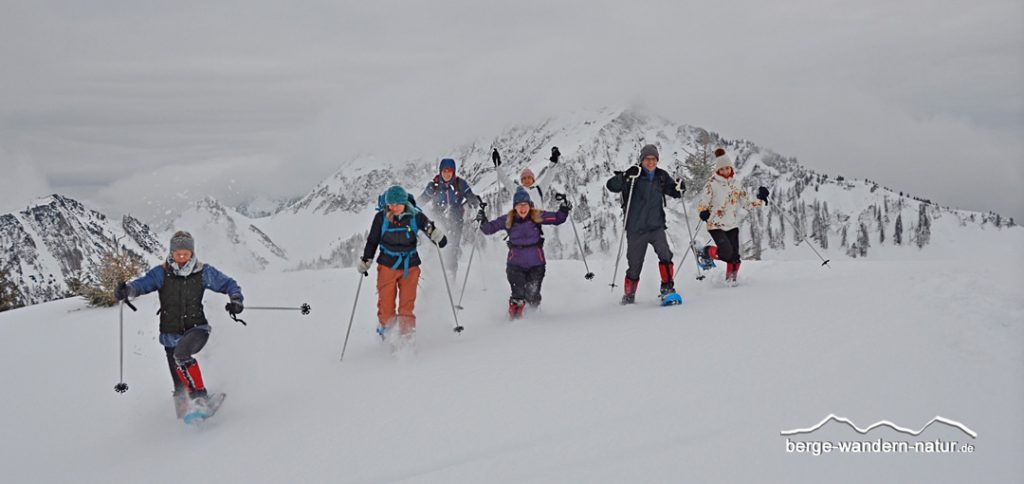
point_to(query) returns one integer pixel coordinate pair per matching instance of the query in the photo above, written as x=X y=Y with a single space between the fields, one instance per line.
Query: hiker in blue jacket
x=449 y=195
x=181 y=282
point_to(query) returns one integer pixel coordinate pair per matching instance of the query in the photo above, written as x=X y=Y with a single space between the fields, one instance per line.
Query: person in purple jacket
x=526 y=263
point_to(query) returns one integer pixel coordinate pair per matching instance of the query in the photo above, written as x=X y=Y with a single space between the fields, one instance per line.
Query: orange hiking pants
x=391 y=285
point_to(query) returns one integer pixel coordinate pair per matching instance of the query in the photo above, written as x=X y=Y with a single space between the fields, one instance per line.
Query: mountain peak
x=57 y=240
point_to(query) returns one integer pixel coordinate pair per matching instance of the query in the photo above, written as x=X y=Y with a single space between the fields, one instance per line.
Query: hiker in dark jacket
x=525 y=265
x=184 y=330
x=645 y=222
x=449 y=195
x=394 y=232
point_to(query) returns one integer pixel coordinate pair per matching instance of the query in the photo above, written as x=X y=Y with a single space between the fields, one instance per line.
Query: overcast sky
x=136 y=105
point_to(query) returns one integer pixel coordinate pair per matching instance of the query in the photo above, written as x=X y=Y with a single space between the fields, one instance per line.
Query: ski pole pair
x=558 y=196
x=122 y=387
x=458 y=327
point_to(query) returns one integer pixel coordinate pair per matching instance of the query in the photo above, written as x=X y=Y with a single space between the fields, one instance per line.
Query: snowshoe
x=703 y=260
x=202 y=408
x=403 y=344
x=671 y=299
x=668 y=295
x=628 y=299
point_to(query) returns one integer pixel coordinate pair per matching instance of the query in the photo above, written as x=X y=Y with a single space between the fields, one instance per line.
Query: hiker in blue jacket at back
x=181 y=282
x=449 y=194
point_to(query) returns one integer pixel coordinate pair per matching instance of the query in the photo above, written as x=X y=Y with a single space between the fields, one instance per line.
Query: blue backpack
x=402 y=258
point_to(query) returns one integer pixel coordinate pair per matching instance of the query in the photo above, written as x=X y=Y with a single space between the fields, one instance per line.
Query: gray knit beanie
x=648 y=150
x=183 y=241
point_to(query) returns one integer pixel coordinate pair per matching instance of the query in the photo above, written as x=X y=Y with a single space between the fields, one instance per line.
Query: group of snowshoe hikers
x=393 y=243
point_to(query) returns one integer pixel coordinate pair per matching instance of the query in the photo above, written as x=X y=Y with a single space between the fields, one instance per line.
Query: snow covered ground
x=583 y=391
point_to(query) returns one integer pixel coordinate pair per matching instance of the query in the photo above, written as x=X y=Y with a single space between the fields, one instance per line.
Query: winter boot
x=515 y=308
x=630 y=291
x=667 y=280
x=406 y=325
x=193 y=379
x=180 y=402
x=731 y=271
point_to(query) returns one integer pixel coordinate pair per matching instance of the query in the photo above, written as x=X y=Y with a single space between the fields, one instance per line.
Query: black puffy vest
x=181 y=302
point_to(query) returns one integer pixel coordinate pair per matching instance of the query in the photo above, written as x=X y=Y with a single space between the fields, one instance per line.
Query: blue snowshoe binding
x=669 y=296
x=703 y=261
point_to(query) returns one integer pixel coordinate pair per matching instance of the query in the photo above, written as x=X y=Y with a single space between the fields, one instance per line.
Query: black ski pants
x=525 y=282
x=636 y=250
x=728 y=242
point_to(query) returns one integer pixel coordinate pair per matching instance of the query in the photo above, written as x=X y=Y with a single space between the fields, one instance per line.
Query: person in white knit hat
x=719 y=206
x=538 y=187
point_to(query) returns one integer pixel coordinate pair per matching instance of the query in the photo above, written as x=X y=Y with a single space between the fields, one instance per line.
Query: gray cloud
x=111 y=102
x=21 y=182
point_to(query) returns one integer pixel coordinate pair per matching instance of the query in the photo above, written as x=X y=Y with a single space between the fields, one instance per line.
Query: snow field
x=582 y=391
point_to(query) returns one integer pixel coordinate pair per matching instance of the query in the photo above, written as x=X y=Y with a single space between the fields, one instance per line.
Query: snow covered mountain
x=844 y=217
x=229 y=239
x=57 y=240
x=327 y=227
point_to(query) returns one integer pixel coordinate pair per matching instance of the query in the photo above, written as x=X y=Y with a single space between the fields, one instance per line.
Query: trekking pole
x=693 y=248
x=304 y=308
x=440 y=258
x=803 y=238
x=625 y=221
x=589 y=275
x=121 y=386
x=469 y=265
x=352 y=317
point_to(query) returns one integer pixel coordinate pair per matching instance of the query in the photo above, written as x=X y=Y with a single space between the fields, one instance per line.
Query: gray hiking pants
x=636 y=250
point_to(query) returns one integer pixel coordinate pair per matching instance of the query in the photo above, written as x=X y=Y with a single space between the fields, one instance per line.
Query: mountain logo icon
x=883 y=423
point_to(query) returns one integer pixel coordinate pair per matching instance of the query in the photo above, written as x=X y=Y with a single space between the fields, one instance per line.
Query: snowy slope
x=584 y=391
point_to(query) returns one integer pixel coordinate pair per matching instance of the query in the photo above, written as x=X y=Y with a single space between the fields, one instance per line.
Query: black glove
x=121 y=291
x=565 y=206
x=443 y=242
x=496 y=158
x=555 y=154
x=681 y=186
x=235 y=306
x=705 y=215
x=481 y=216
x=632 y=172
x=762 y=194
